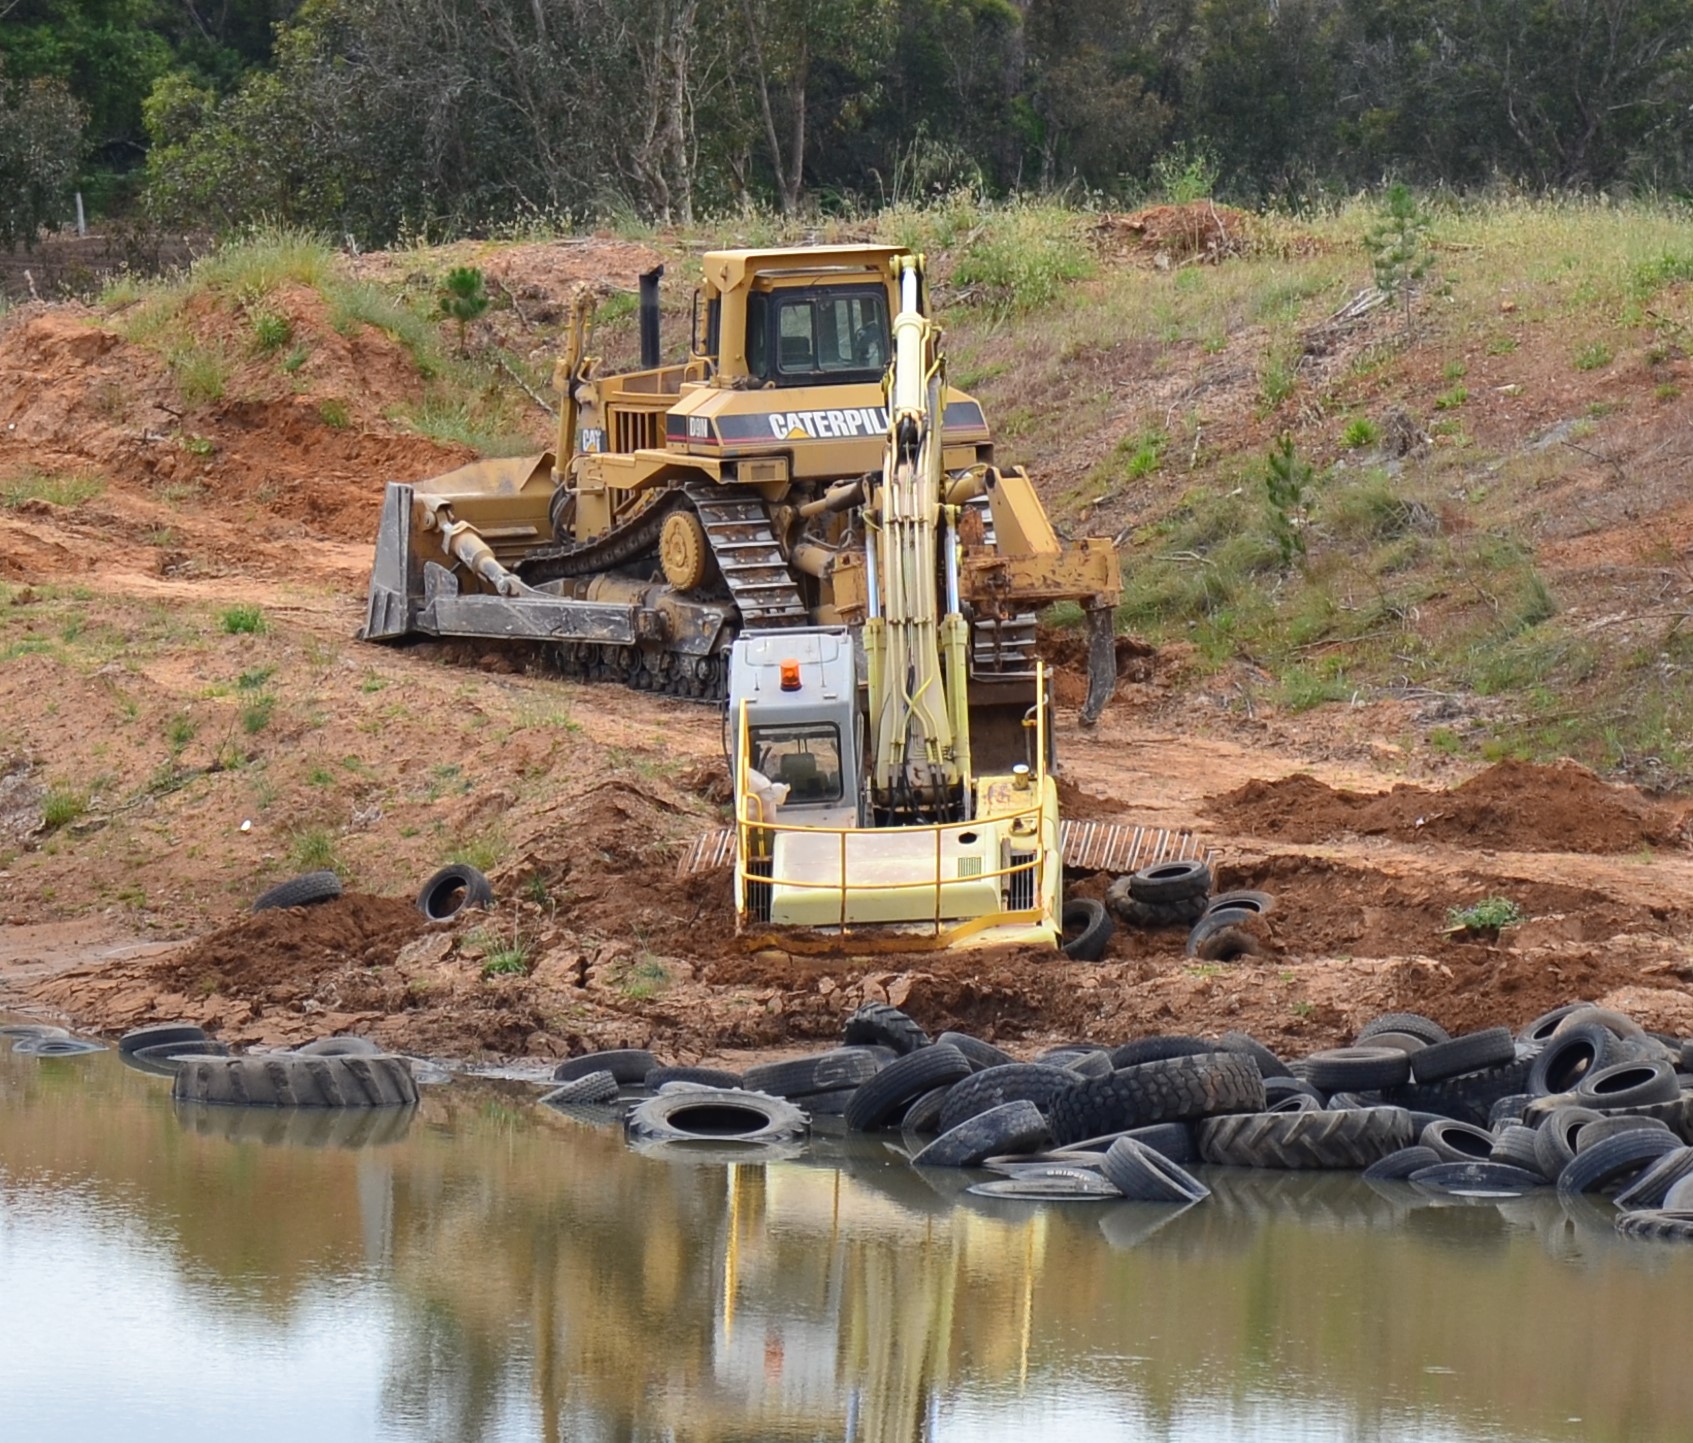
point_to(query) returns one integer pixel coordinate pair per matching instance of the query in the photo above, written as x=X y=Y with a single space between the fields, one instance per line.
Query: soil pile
x=1199 y=231
x=1513 y=806
x=1066 y=654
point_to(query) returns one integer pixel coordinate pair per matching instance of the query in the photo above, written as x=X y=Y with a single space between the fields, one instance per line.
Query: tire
x=1144 y=1175
x=1539 y=1032
x=825 y=1104
x=1173 y=1140
x=1662 y=1226
x=1514 y=1146
x=452 y=890
x=135 y=1040
x=164 y=1059
x=1555 y=1138
x=1012 y=1127
x=56 y=1046
x=590 y=1087
x=994 y=1086
x=1678 y=1115
x=1269 y=1065
x=1508 y=1109
x=1178 y=1089
x=628 y=1065
x=1352 y=1101
x=340 y=1047
x=1469 y=1097
x=1491 y=1047
x=1399 y=1166
x=881 y=1100
x=700 y=1076
x=877 y=1023
x=1602 y=1127
x=1053 y=1184
x=1128 y=909
x=1660 y=1185
x=1083 y=1061
x=715 y=1114
x=287 y=1079
x=924 y=1115
x=1413 y=1023
x=1612 y=1164
x=830 y=1071
x=1569 y=1057
x=309 y=889
x=981 y=1054
x=1089 y=928
x=1257 y=902
x=1170 y=882
x=1618 y=1024
x=1363 y=1069
x=1160 y=1049
x=1457 y=1141
x=1297 y=1102
x=1628 y=1084
x=1306 y=1140
x=1280 y=1089
x=1480 y=1177
x=1217 y=936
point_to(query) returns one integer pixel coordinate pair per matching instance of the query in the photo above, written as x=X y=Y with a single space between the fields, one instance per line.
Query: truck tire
x=1616 y=1161
x=340 y=1047
x=1653 y=1188
x=981 y=1054
x=1514 y=1146
x=1570 y=1056
x=1399 y=1166
x=823 y=1072
x=1491 y=1047
x=1142 y=1174
x=166 y=1058
x=1413 y=1023
x=1269 y=1065
x=1458 y=1141
x=139 y=1037
x=1088 y=928
x=994 y=1086
x=1170 y=882
x=1306 y=1140
x=590 y=1087
x=1178 y=1089
x=1478 y=1177
x=1217 y=936
x=1555 y=1138
x=307 y=890
x=628 y=1065
x=1661 y=1226
x=286 y=1079
x=1012 y=1127
x=1628 y=1084
x=1161 y=1049
x=1357 y=1069
x=882 y=1099
x=1539 y=1032
x=876 y=1022
x=699 y=1076
x=452 y=890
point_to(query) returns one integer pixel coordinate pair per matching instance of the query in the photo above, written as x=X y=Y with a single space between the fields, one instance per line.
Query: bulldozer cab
x=818 y=317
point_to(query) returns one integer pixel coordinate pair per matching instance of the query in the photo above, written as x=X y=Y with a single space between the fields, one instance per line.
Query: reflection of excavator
x=862 y=799
x=687 y=504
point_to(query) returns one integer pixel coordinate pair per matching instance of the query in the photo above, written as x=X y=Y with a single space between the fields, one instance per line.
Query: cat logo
x=852 y=423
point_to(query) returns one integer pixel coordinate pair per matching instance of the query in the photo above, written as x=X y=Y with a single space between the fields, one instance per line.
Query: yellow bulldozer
x=686 y=504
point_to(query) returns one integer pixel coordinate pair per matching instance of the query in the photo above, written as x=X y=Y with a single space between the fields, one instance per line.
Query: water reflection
x=487 y=1269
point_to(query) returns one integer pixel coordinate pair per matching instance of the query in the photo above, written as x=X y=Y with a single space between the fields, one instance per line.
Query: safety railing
x=755 y=841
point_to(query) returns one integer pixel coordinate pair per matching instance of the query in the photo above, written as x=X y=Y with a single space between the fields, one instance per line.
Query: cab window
x=806 y=758
x=825 y=334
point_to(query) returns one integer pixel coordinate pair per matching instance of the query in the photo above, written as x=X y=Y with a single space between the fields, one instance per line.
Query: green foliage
x=271 y=332
x=55 y=489
x=1287 y=482
x=1594 y=356
x=1399 y=249
x=463 y=297
x=334 y=414
x=1360 y=432
x=1022 y=257
x=1452 y=399
x=41 y=131
x=202 y=372
x=313 y=849
x=1183 y=175
x=1487 y=915
x=61 y=806
x=243 y=620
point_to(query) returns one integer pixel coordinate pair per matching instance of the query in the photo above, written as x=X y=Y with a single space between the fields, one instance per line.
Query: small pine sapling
x=1287 y=479
x=464 y=297
x=1399 y=248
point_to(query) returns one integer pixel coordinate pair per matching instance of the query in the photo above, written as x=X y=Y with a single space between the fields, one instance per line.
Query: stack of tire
x=1581 y=1100
x=1178 y=894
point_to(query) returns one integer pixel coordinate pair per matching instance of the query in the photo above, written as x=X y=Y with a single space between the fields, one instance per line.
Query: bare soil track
x=206 y=762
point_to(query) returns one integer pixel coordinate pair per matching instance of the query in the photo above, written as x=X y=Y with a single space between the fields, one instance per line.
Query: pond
x=488 y=1269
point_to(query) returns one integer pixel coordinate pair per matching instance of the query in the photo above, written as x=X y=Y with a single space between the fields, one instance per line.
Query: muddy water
x=487 y=1270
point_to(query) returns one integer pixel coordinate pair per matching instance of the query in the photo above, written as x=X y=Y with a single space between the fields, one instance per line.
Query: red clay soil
x=1513 y=806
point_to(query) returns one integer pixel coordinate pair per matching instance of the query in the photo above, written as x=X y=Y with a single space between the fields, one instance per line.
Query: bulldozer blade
x=1102 y=663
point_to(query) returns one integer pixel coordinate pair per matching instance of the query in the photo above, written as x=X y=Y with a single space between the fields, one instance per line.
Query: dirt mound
x=1201 y=231
x=1513 y=806
x=1066 y=653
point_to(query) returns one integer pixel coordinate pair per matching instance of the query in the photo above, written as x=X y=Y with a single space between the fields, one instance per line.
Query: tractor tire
x=289 y=1080
x=715 y=1114
x=452 y=890
x=1178 y=1089
x=1468 y=1097
x=1088 y=928
x=1326 y=1140
x=877 y=1023
x=306 y=890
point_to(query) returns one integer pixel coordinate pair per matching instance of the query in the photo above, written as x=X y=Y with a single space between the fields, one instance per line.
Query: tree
x=463 y=298
x=41 y=131
x=1399 y=250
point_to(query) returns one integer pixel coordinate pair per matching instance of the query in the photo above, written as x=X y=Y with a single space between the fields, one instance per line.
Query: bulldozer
x=722 y=496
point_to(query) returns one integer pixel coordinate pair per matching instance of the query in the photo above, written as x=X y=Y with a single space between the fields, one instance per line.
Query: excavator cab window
x=818 y=335
x=807 y=758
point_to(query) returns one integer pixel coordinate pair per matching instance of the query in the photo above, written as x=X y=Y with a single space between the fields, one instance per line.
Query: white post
x=81 y=219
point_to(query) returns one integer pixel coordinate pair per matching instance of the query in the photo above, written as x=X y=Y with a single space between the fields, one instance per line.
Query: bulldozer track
x=617 y=547
x=757 y=574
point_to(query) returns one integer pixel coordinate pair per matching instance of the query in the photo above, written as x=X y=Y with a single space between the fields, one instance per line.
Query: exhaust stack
x=649 y=316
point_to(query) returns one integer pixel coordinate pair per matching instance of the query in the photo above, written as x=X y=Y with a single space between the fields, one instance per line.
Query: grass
x=1360 y=432
x=243 y=620
x=61 y=806
x=456 y=420
x=202 y=372
x=67 y=489
x=312 y=849
x=271 y=332
x=1022 y=257
x=1487 y=915
x=334 y=414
